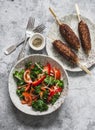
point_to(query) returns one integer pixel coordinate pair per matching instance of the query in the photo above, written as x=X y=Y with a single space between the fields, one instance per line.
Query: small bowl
x=43 y=59
x=37 y=47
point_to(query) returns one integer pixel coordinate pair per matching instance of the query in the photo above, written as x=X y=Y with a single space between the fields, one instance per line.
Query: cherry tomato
x=27 y=77
x=47 y=68
x=57 y=73
x=27 y=98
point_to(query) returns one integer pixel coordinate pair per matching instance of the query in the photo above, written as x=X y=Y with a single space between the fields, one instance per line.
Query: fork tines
x=39 y=28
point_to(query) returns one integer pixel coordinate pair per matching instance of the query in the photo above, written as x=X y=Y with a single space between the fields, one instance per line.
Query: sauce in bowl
x=37 y=41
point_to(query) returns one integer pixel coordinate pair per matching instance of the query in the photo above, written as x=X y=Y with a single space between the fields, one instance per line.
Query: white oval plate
x=54 y=33
x=12 y=84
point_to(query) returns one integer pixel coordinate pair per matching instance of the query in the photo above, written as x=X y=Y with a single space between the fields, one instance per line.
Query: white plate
x=12 y=84
x=54 y=33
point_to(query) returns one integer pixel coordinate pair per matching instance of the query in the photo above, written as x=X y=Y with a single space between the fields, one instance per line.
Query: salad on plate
x=38 y=85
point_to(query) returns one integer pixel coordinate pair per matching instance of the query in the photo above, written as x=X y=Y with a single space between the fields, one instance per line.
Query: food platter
x=54 y=33
x=13 y=86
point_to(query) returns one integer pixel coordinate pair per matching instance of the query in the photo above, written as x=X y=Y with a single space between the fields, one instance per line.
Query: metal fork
x=39 y=28
x=11 y=48
x=29 y=28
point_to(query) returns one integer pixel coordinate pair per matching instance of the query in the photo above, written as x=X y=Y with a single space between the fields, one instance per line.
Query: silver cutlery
x=27 y=33
x=12 y=48
x=39 y=28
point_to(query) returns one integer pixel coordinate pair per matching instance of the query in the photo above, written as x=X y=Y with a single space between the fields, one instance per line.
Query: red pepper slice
x=37 y=82
x=47 y=68
x=54 y=91
x=28 y=86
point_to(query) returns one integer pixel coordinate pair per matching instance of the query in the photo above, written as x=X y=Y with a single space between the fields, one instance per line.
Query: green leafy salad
x=38 y=85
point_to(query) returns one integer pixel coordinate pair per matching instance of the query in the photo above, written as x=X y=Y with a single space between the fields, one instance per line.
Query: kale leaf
x=19 y=77
x=19 y=93
x=37 y=89
x=54 y=98
x=35 y=71
x=39 y=105
x=45 y=95
x=52 y=81
x=60 y=83
x=49 y=80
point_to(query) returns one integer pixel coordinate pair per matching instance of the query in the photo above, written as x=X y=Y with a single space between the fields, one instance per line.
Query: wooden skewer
x=78 y=12
x=52 y=12
x=79 y=64
x=84 y=68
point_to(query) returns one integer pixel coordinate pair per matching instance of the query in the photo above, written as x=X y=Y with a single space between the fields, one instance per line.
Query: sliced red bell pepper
x=55 y=91
x=47 y=68
x=28 y=86
x=37 y=82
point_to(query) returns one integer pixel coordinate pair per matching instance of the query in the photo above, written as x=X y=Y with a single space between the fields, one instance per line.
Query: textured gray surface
x=78 y=110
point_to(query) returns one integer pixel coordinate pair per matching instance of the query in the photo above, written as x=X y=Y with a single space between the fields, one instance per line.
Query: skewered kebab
x=65 y=51
x=67 y=33
x=68 y=54
x=84 y=33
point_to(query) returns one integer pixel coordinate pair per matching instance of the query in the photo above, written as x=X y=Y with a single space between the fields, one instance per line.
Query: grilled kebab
x=65 y=51
x=84 y=36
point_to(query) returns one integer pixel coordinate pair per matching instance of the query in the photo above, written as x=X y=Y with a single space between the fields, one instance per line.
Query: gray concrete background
x=78 y=110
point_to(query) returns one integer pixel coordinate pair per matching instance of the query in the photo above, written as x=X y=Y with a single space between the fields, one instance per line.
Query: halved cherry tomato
x=27 y=98
x=47 y=68
x=27 y=77
x=57 y=73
